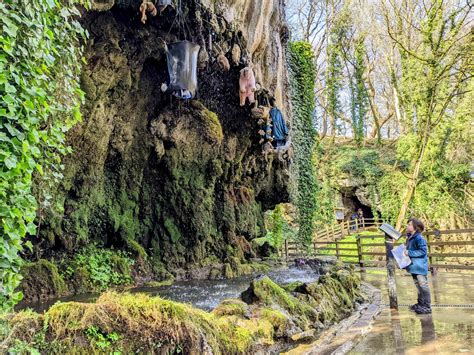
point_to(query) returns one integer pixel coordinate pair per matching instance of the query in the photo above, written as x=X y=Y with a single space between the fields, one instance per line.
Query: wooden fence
x=337 y=231
x=361 y=250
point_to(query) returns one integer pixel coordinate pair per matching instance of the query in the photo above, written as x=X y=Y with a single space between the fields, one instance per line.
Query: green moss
x=81 y=280
x=210 y=260
x=228 y=272
x=137 y=323
x=292 y=286
x=278 y=320
x=137 y=249
x=231 y=307
x=159 y=270
x=334 y=294
x=168 y=325
x=172 y=230
x=42 y=279
x=159 y=283
x=260 y=267
x=210 y=121
x=269 y=293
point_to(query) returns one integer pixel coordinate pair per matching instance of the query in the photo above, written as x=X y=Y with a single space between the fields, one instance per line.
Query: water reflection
x=397 y=332
x=428 y=332
x=448 y=330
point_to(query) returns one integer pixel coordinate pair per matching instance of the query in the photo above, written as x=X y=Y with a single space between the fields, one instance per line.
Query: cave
x=351 y=204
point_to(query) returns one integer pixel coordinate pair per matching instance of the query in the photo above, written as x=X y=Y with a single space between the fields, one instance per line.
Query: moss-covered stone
x=159 y=283
x=141 y=324
x=277 y=319
x=231 y=307
x=265 y=291
x=41 y=280
x=291 y=287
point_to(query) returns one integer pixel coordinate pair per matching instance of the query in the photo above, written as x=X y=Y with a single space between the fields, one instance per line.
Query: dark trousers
x=421 y=283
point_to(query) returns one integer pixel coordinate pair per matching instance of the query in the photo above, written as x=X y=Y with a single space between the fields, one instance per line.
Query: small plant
x=22 y=347
x=102 y=340
x=104 y=267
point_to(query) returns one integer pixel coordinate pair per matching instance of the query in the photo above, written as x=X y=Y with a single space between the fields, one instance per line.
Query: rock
x=304 y=336
x=41 y=280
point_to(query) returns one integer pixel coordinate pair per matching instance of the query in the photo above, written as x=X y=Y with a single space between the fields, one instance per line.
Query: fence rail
x=330 y=242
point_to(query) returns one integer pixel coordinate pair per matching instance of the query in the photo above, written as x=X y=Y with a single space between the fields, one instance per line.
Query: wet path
x=449 y=330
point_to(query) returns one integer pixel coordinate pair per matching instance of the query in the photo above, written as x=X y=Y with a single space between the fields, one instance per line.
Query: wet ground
x=204 y=294
x=449 y=330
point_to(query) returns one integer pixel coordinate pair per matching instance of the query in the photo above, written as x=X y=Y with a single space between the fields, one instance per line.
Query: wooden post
x=337 y=250
x=392 y=286
x=286 y=249
x=359 y=253
x=357 y=224
x=363 y=222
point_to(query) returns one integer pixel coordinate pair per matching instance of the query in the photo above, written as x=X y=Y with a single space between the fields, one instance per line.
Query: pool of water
x=203 y=294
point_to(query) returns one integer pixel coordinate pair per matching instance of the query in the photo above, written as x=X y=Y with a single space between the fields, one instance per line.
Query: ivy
x=302 y=78
x=360 y=100
x=40 y=63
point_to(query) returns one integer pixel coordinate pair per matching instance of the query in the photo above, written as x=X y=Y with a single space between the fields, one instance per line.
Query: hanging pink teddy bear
x=247 y=85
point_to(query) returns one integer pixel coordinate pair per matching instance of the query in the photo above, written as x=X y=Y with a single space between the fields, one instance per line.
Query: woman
x=417 y=250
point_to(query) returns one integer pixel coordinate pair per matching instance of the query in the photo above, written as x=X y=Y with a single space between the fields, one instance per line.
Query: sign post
x=391 y=236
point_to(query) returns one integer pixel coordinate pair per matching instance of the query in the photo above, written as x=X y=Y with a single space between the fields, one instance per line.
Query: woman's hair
x=272 y=101
x=419 y=226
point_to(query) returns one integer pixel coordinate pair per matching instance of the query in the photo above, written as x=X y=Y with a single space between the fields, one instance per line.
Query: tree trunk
x=411 y=185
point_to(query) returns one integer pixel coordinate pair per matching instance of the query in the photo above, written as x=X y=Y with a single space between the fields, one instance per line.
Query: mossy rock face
x=169 y=180
x=42 y=280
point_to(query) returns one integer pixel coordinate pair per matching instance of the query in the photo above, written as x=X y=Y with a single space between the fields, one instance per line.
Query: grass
x=352 y=238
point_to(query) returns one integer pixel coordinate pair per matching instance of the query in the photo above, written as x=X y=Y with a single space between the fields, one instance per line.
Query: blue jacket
x=418 y=253
x=280 y=130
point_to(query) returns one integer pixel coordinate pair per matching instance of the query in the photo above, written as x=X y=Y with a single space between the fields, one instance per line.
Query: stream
x=203 y=294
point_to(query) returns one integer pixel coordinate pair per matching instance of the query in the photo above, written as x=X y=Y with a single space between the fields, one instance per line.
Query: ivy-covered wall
x=302 y=77
x=40 y=61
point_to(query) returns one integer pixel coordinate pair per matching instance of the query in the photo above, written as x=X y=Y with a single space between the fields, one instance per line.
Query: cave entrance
x=352 y=204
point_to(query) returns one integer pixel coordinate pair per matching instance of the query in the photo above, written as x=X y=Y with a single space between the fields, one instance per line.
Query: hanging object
x=223 y=62
x=182 y=58
x=260 y=112
x=152 y=8
x=247 y=86
x=147 y=7
x=162 y=4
